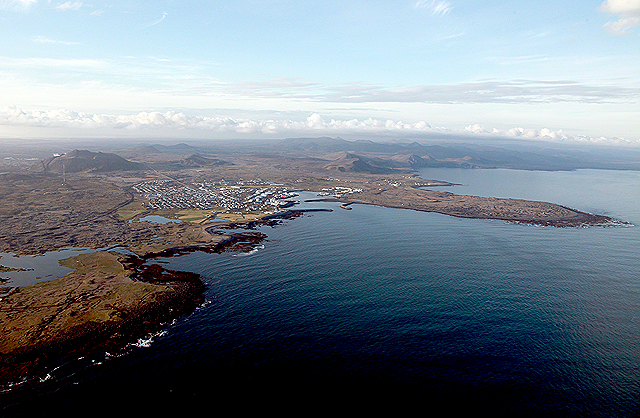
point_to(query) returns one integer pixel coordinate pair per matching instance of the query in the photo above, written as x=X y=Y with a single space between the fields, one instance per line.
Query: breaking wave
x=253 y=251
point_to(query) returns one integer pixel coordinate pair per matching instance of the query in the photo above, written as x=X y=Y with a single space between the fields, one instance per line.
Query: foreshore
x=109 y=301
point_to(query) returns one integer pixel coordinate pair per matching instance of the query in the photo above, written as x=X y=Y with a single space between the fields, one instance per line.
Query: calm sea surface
x=376 y=306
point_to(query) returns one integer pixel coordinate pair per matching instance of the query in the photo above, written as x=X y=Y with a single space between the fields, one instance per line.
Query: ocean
x=374 y=307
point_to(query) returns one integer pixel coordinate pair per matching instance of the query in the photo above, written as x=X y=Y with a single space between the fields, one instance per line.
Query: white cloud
x=178 y=123
x=188 y=78
x=44 y=40
x=623 y=26
x=621 y=6
x=628 y=12
x=275 y=87
x=158 y=21
x=21 y=5
x=437 y=8
x=546 y=134
x=486 y=91
x=52 y=63
x=14 y=116
x=69 y=6
x=515 y=91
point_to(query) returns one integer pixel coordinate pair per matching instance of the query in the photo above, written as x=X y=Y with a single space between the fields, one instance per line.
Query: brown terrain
x=98 y=305
x=514 y=210
x=110 y=299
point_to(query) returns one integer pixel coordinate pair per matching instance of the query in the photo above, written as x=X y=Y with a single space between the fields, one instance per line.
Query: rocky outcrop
x=102 y=305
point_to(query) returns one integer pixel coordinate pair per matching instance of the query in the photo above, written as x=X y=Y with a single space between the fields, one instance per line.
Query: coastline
x=128 y=299
x=517 y=211
x=178 y=293
x=101 y=308
x=272 y=219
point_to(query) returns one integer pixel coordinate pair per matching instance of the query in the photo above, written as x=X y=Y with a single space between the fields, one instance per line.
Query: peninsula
x=105 y=202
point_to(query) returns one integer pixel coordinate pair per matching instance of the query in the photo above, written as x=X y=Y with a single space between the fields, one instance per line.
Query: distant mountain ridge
x=78 y=161
x=158 y=151
x=415 y=155
x=171 y=157
x=349 y=162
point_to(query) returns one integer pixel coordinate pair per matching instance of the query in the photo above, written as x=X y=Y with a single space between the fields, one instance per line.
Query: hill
x=78 y=161
x=195 y=160
x=349 y=162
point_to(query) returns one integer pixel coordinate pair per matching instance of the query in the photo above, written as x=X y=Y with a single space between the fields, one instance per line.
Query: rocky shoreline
x=109 y=302
x=510 y=210
x=270 y=220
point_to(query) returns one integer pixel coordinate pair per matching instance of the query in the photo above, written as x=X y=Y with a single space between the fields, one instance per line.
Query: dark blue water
x=385 y=307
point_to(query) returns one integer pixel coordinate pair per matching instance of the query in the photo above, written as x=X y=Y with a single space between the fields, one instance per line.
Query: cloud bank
x=517 y=91
x=192 y=78
x=161 y=123
x=628 y=12
x=546 y=134
x=486 y=91
x=14 y=116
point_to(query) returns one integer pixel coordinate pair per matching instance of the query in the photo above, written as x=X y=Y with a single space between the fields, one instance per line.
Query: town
x=338 y=191
x=254 y=195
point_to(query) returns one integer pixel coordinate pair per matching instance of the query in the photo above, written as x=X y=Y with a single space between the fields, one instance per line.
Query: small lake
x=38 y=267
x=157 y=219
x=42 y=267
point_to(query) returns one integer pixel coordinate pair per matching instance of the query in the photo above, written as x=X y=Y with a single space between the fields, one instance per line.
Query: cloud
x=514 y=91
x=620 y=6
x=158 y=21
x=20 y=5
x=53 y=63
x=487 y=91
x=193 y=79
x=14 y=116
x=165 y=123
x=69 y=6
x=437 y=8
x=546 y=134
x=43 y=40
x=288 y=87
x=456 y=35
x=628 y=12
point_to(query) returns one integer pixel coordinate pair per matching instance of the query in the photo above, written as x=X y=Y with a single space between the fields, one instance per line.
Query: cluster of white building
x=168 y=194
x=276 y=197
x=339 y=191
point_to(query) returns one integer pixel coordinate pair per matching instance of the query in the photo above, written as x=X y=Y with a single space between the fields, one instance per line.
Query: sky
x=548 y=70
